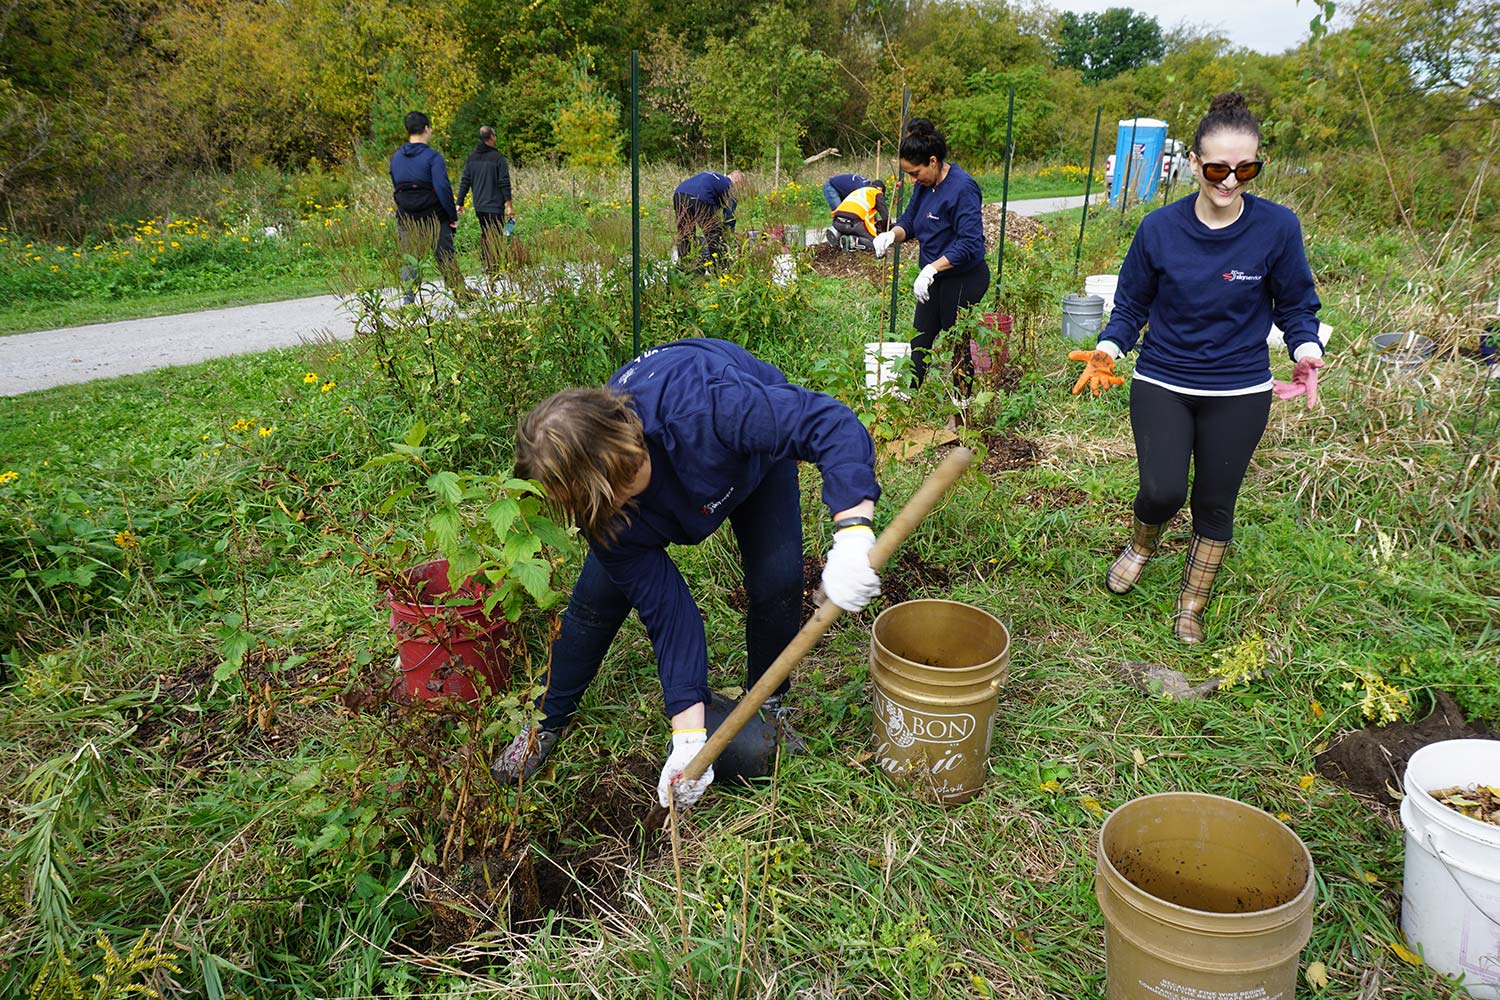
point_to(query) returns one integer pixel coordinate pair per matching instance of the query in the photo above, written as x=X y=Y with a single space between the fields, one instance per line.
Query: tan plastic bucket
x=937 y=668
x=1204 y=898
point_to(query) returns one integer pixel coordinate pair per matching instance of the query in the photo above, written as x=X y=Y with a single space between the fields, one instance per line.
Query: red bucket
x=980 y=355
x=445 y=637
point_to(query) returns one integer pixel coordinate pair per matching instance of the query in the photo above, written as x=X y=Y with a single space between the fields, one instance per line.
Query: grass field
x=204 y=791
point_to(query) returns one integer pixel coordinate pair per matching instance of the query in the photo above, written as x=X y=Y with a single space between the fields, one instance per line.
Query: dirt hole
x=1372 y=761
x=572 y=872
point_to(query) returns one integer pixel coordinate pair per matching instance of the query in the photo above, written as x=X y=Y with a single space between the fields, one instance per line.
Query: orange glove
x=1098 y=372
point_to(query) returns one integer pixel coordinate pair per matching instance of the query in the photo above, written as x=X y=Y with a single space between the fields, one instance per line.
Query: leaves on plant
x=1316 y=975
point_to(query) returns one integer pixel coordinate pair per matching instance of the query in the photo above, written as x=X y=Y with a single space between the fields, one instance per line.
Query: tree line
x=99 y=94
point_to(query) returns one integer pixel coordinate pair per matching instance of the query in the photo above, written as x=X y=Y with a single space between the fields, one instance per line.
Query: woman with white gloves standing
x=683 y=438
x=945 y=216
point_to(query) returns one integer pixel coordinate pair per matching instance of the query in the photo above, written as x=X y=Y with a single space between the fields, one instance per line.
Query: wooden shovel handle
x=904 y=523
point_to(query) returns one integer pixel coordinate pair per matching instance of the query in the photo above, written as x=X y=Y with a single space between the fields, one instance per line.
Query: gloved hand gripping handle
x=904 y=523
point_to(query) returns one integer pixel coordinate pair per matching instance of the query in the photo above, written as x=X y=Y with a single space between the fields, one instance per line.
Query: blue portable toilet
x=1142 y=160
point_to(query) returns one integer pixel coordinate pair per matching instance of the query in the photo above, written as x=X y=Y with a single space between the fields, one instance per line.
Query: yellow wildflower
x=310 y=378
x=266 y=432
x=328 y=386
x=9 y=476
x=126 y=539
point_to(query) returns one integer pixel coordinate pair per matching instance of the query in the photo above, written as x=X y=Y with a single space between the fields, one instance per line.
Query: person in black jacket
x=488 y=175
x=425 y=214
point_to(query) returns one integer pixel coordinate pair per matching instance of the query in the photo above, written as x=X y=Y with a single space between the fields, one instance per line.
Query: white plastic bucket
x=880 y=365
x=1450 y=900
x=1102 y=285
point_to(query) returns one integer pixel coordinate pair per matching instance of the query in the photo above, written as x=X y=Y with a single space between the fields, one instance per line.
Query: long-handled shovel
x=905 y=521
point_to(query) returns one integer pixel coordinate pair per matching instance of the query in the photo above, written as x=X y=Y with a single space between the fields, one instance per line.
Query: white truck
x=1174 y=165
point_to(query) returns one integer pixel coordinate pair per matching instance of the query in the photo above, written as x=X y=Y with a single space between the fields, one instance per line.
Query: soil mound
x=831 y=262
x=1019 y=229
x=1372 y=761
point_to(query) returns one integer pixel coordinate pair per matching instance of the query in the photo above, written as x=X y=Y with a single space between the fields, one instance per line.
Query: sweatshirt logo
x=1240 y=276
x=714 y=505
x=933 y=218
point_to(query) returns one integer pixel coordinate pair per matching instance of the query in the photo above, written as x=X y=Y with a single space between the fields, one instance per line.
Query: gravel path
x=1042 y=206
x=32 y=361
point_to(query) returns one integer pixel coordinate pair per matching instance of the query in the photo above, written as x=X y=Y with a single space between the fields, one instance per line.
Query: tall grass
x=191 y=612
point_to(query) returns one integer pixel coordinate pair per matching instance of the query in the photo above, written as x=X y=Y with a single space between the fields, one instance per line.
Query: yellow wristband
x=683 y=732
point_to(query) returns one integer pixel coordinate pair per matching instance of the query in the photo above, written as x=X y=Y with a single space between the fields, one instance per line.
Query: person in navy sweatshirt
x=840 y=186
x=705 y=203
x=1210 y=273
x=425 y=213
x=683 y=438
x=944 y=215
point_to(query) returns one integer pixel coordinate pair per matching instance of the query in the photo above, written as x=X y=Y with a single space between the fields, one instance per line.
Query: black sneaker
x=525 y=755
x=781 y=714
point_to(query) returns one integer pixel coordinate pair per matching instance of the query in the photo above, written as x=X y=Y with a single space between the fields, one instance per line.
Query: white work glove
x=685 y=746
x=922 y=287
x=883 y=242
x=848 y=579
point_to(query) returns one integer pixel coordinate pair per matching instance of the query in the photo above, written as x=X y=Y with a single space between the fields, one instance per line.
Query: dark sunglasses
x=1216 y=172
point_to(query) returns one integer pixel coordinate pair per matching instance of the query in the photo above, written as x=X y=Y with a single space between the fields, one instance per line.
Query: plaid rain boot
x=1204 y=557
x=1127 y=567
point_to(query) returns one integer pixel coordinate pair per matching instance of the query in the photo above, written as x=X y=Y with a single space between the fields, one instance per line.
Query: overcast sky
x=1264 y=25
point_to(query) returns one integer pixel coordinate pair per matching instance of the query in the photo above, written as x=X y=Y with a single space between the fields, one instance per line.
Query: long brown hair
x=585 y=446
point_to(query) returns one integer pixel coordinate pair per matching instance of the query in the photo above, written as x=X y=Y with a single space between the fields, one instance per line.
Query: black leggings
x=1218 y=432
x=950 y=293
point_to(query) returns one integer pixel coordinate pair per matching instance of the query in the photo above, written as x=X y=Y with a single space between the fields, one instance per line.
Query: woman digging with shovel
x=1210 y=272
x=683 y=438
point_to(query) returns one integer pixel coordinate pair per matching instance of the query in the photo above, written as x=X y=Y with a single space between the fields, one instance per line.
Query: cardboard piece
x=916 y=440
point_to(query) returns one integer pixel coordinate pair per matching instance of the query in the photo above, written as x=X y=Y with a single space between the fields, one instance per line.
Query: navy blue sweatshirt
x=947 y=220
x=717 y=419
x=417 y=162
x=846 y=184
x=713 y=188
x=1210 y=296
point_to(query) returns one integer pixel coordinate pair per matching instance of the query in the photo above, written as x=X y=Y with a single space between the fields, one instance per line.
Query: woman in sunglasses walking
x=1209 y=273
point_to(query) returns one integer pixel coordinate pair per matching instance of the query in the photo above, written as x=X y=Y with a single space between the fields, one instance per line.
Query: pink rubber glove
x=1304 y=381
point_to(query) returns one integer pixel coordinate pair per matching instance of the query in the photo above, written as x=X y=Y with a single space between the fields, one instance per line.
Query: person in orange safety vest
x=861 y=215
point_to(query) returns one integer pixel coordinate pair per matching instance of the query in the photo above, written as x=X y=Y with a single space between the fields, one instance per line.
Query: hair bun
x=1228 y=102
x=920 y=127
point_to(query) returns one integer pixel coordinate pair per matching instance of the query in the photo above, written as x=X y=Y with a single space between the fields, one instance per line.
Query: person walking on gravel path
x=425 y=214
x=488 y=175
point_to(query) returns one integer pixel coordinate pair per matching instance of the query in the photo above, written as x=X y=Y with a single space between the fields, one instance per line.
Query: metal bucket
x=1202 y=896
x=1081 y=317
x=1404 y=353
x=793 y=238
x=937 y=667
